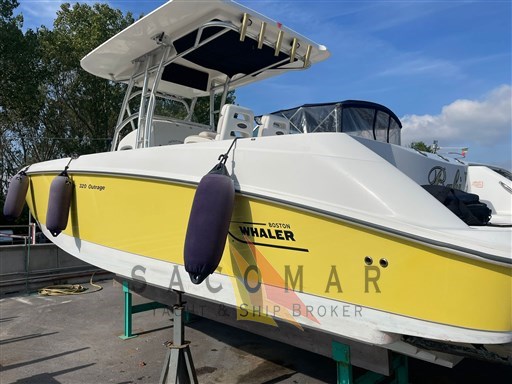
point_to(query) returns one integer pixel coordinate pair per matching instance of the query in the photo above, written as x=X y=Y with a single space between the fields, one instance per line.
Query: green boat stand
x=341 y=354
x=130 y=309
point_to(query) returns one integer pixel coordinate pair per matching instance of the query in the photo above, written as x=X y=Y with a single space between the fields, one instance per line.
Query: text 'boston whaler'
x=313 y=220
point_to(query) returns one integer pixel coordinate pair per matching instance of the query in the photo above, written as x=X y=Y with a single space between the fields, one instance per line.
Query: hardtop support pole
x=212 y=111
x=143 y=105
x=224 y=93
x=124 y=108
x=152 y=98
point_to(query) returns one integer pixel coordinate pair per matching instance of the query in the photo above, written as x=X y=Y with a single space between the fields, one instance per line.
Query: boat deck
x=74 y=339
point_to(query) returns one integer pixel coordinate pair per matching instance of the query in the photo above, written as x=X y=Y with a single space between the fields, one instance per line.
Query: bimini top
x=355 y=117
x=210 y=43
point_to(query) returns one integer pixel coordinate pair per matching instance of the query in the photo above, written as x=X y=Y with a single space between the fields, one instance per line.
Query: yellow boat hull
x=291 y=249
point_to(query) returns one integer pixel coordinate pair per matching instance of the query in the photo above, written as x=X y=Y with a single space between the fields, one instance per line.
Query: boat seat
x=235 y=121
x=272 y=125
x=128 y=142
x=201 y=137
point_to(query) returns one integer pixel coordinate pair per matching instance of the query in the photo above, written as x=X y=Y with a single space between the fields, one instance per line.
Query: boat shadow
x=41 y=359
x=47 y=377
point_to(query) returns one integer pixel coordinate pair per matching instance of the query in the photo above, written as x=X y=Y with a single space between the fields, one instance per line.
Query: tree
x=21 y=98
x=81 y=109
x=421 y=146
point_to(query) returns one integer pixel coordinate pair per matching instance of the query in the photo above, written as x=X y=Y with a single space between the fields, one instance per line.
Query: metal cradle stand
x=130 y=310
x=178 y=364
x=341 y=354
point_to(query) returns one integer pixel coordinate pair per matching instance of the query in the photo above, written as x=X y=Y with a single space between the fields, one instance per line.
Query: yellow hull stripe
x=149 y=218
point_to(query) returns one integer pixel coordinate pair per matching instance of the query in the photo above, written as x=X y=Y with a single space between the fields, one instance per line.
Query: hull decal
x=120 y=174
x=268 y=245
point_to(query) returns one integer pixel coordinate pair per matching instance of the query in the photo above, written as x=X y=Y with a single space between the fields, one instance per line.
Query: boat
x=493 y=185
x=305 y=218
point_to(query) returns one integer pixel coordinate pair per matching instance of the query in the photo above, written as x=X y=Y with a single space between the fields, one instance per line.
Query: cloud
x=484 y=122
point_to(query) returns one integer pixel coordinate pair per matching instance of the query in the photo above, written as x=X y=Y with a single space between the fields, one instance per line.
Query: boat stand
x=130 y=309
x=178 y=365
x=341 y=354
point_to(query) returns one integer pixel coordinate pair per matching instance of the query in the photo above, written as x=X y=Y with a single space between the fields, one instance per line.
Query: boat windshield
x=357 y=118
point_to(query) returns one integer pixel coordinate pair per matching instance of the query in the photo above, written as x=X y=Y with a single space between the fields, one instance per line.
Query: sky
x=443 y=66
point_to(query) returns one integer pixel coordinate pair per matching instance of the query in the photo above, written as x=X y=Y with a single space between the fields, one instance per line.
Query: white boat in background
x=322 y=217
x=494 y=186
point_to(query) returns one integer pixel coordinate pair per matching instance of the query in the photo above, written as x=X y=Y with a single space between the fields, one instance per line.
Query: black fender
x=59 y=203
x=208 y=223
x=16 y=195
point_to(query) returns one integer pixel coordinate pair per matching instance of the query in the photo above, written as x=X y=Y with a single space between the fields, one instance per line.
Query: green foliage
x=20 y=95
x=7 y=8
x=421 y=146
x=81 y=109
x=18 y=65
